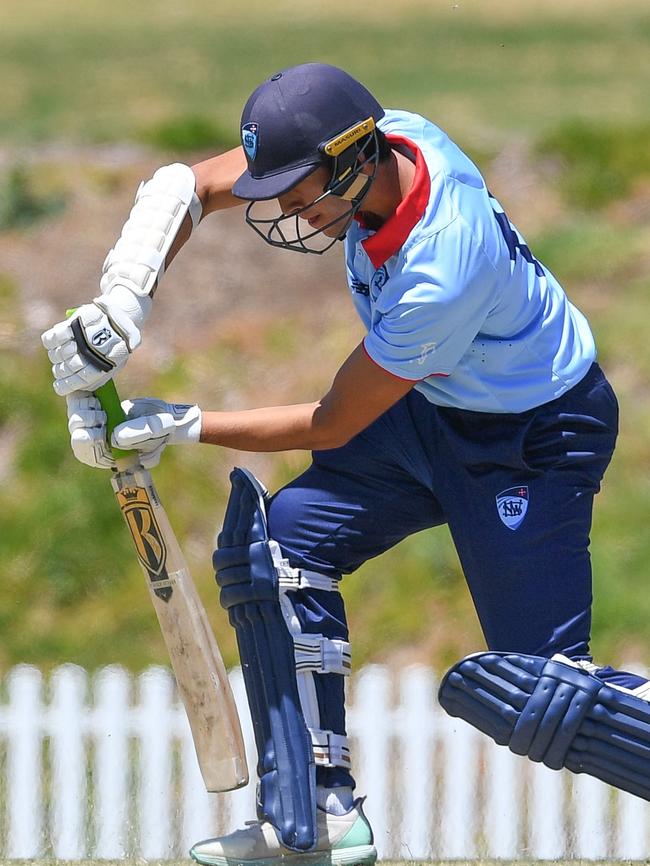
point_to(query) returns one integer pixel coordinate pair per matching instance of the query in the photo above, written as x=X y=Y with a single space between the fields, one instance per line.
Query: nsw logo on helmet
x=249 y=139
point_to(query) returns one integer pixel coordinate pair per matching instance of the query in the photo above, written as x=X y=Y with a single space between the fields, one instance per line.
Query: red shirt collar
x=394 y=232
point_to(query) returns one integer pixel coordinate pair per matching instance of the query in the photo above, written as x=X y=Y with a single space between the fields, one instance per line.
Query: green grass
x=21 y=202
x=189 y=133
x=600 y=164
x=108 y=73
x=582 y=249
x=571 y=78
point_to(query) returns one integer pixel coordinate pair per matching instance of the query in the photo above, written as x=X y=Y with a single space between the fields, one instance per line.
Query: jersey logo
x=249 y=139
x=378 y=281
x=359 y=287
x=512 y=505
x=425 y=351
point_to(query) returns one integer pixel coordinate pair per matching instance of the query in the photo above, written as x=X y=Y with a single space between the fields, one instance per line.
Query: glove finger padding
x=61 y=353
x=89 y=447
x=57 y=335
x=87 y=427
x=84 y=410
x=80 y=381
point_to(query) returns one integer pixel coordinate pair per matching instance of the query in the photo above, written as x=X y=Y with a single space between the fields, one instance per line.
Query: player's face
x=331 y=209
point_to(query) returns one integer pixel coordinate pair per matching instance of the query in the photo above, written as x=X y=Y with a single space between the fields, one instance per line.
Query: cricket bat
x=193 y=651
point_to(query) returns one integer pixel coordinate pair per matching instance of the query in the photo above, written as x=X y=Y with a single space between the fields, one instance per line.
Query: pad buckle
x=320 y=655
x=330 y=749
x=299 y=578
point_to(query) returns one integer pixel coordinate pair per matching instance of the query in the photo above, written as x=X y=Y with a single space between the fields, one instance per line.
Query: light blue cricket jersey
x=451 y=295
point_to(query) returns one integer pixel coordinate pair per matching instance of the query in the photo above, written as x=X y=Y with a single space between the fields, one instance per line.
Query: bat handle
x=110 y=403
x=109 y=400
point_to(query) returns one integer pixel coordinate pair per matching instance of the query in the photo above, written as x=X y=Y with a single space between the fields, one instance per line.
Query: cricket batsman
x=474 y=400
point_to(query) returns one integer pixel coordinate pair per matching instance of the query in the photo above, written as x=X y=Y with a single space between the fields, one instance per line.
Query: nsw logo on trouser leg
x=512 y=505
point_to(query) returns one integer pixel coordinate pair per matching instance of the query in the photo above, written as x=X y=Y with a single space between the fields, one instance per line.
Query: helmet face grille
x=347 y=182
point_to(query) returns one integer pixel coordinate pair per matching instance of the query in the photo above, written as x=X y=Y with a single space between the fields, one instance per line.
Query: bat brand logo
x=149 y=543
x=249 y=138
x=100 y=337
x=512 y=505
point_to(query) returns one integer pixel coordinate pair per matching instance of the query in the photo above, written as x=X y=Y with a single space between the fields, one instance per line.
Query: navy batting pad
x=555 y=714
x=249 y=591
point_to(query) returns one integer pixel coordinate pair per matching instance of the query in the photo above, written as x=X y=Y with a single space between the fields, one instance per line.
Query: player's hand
x=87 y=349
x=87 y=426
x=152 y=424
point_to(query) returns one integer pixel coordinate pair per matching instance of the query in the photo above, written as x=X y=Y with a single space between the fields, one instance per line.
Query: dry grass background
x=235 y=324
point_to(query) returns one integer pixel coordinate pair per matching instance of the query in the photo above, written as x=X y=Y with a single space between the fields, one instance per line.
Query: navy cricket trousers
x=516 y=491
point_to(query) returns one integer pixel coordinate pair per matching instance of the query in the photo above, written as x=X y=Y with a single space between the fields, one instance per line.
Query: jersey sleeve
x=433 y=309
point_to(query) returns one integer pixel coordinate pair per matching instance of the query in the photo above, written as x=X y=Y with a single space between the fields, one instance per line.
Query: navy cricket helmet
x=290 y=119
x=297 y=120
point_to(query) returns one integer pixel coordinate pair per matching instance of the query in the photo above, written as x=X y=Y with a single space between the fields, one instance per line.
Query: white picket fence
x=104 y=767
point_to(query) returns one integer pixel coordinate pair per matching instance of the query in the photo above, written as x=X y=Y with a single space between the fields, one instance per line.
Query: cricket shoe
x=343 y=840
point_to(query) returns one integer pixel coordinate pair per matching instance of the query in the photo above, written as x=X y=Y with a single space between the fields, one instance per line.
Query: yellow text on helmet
x=339 y=143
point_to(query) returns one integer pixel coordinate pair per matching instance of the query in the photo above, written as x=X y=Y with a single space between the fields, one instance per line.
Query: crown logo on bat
x=130 y=493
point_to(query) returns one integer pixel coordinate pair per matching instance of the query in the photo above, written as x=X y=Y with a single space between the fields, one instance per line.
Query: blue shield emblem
x=512 y=505
x=249 y=139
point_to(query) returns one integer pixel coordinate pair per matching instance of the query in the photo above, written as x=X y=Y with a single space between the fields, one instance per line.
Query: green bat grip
x=110 y=402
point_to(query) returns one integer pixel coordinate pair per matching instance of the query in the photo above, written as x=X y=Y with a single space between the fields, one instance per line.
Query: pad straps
x=330 y=749
x=314 y=654
x=320 y=655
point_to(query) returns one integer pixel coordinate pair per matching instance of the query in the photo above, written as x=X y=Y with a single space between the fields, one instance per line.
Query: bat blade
x=195 y=658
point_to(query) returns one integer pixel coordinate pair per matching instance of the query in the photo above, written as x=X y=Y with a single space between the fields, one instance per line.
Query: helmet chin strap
x=357 y=189
x=355 y=194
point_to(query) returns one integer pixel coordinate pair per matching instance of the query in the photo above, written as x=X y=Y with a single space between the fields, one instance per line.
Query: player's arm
x=215 y=178
x=87 y=349
x=360 y=392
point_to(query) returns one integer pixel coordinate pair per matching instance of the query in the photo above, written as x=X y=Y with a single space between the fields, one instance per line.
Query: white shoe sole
x=361 y=855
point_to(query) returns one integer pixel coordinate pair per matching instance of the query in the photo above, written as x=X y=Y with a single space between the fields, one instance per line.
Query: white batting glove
x=87 y=349
x=87 y=426
x=152 y=424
